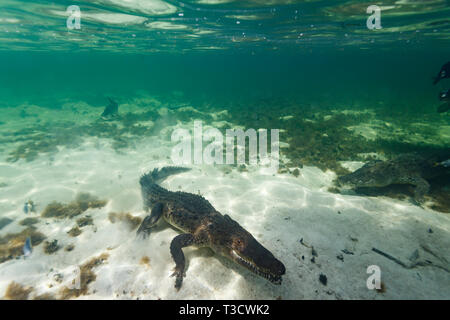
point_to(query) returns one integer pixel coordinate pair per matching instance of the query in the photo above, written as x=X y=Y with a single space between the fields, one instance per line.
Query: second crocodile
x=202 y=226
x=410 y=169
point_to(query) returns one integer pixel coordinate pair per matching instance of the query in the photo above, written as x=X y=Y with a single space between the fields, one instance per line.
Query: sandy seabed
x=288 y=215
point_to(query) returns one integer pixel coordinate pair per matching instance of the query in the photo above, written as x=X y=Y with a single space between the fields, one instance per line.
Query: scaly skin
x=202 y=226
x=405 y=169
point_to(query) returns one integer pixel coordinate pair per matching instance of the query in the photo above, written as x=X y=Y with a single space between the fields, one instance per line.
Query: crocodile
x=410 y=168
x=111 y=110
x=202 y=226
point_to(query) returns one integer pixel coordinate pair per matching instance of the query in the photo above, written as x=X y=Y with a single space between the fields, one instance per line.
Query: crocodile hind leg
x=422 y=188
x=179 y=242
x=150 y=220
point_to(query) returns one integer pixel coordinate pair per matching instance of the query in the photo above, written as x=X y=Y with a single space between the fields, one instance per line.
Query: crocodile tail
x=158 y=175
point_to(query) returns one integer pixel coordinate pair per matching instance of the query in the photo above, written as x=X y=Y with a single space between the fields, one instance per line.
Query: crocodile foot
x=143 y=232
x=418 y=202
x=179 y=278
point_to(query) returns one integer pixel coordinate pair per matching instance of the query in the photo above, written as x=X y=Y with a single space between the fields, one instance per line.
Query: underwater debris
x=87 y=276
x=11 y=245
x=29 y=207
x=428 y=250
x=323 y=279
x=51 y=247
x=16 y=291
x=296 y=172
x=389 y=257
x=85 y=221
x=27 y=247
x=58 y=277
x=74 y=232
x=132 y=221
x=29 y=221
x=304 y=243
x=69 y=247
x=413 y=264
x=83 y=201
x=145 y=261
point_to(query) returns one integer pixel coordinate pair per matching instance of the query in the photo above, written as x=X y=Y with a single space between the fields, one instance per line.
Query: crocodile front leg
x=150 y=220
x=179 y=242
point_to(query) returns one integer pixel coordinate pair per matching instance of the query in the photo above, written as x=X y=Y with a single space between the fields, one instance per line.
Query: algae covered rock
x=51 y=247
x=82 y=202
x=74 y=232
x=16 y=291
x=132 y=221
x=11 y=245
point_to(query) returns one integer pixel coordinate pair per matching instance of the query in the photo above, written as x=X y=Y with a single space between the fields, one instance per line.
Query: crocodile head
x=240 y=246
x=372 y=174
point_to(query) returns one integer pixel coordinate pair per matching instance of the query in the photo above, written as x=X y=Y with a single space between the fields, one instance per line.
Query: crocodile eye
x=238 y=244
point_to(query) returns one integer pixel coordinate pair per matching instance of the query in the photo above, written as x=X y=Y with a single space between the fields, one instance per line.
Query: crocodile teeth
x=251 y=266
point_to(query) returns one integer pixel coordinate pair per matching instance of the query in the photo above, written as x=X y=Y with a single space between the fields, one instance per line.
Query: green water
x=315 y=51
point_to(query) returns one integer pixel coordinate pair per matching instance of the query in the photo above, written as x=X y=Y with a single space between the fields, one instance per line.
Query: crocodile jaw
x=250 y=265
